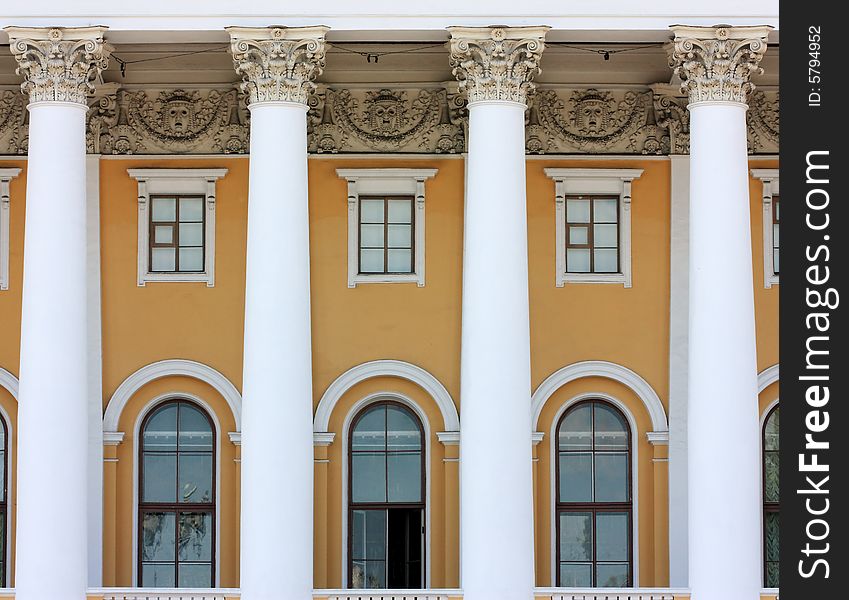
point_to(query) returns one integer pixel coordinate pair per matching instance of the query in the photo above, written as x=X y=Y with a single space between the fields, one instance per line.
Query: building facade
x=474 y=312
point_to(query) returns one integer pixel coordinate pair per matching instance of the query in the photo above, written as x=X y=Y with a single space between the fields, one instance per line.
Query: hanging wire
x=373 y=56
x=123 y=63
x=604 y=52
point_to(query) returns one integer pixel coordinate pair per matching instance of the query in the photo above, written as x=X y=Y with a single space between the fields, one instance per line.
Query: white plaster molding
x=448 y=438
x=593 y=181
x=176 y=181
x=382 y=182
x=496 y=64
x=386 y=368
x=767 y=377
x=537 y=437
x=59 y=64
x=168 y=368
x=6 y=175
x=10 y=382
x=235 y=437
x=715 y=63
x=113 y=438
x=770 y=188
x=278 y=64
x=658 y=438
x=608 y=370
x=323 y=438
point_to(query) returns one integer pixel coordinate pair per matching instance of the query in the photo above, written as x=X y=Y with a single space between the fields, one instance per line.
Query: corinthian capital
x=59 y=64
x=278 y=64
x=715 y=64
x=496 y=63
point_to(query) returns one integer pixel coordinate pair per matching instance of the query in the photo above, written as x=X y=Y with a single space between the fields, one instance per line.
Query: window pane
x=369 y=477
x=371 y=261
x=196 y=478
x=775 y=261
x=612 y=575
x=195 y=576
x=576 y=575
x=158 y=576
x=771 y=476
x=160 y=431
x=606 y=261
x=375 y=534
x=158 y=539
x=163 y=234
x=771 y=523
x=195 y=537
x=160 y=477
x=604 y=210
x=611 y=432
x=164 y=209
x=772 y=575
x=611 y=478
x=371 y=211
x=2 y=492
x=611 y=530
x=370 y=431
x=400 y=236
x=371 y=236
x=162 y=259
x=400 y=211
x=576 y=429
x=191 y=259
x=403 y=431
x=771 y=431
x=400 y=261
x=195 y=430
x=775 y=236
x=577 y=260
x=578 y=211
x=375 y=576
x=405 y=477
x=576 y=479
x=191 y=209
x=604 y=236
x=576 y=536
x=191 y=234
x=579 y=235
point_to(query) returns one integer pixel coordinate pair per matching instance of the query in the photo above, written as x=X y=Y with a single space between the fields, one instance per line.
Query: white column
x=715 y=64
x=495 y=67
x=51 y=550
x=278 y=66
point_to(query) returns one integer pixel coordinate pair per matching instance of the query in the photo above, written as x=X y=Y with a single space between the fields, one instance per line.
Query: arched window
x=386 y=491
x=4 y=504
x=177 y=497
x=594 y=507
x=770 y=491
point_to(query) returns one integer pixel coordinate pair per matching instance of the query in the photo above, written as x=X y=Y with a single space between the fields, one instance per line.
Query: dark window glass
x=3 y=501
x=770 y=493
x=177 y=232
x=387 y=235
x=592 y=234
x=386 y=512
x=177 y=497
x=594 y=507
x=776 y=205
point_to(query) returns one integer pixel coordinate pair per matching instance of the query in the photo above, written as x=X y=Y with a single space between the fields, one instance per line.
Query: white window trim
x=6 y=175
x=594 y=181
x=769 y=181
x=176 y=181
x=385 y=182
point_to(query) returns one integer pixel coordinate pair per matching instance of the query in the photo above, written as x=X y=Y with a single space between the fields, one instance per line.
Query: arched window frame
x=358 y=409
x=5 y=538
x=767 y=506
x=142 y=417
x=633 y=480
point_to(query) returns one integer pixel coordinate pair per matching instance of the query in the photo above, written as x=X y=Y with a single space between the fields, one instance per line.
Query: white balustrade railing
x=387 y=594
x=164 y=594
x=611 y=593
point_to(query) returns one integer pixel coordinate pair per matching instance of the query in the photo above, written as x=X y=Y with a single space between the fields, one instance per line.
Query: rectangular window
x=177 y=225
x=386 y=233
x=592 y=234
x=775 y=207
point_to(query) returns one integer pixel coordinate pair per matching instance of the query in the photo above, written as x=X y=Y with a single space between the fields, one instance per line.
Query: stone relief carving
x=389 y=120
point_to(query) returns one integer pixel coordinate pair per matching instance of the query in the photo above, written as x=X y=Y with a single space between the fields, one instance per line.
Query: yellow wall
x=142 y=325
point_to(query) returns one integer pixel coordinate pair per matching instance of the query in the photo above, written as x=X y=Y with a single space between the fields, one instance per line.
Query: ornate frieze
x=278 y=64
x=59 y=64
x=496 y=63
x=715 y=64
x=423 y=120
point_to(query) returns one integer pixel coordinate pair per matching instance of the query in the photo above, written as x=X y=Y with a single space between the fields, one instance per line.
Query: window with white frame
x=771 y=205
x=593 y=225
x=176 y=224
x=6 y=176
x=386 y=218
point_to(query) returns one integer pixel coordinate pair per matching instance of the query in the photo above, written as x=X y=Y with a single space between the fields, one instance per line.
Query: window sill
x=770 y=281
x=177 y=278
x=382 y=278
x=615 y=278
